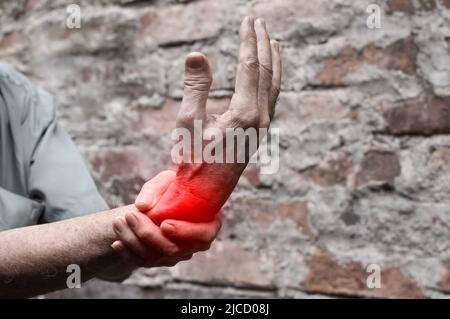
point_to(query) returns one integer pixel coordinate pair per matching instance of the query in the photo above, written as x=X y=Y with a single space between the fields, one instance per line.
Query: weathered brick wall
x=364 y=118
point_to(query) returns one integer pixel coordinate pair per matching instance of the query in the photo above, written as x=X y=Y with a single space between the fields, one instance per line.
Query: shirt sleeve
x=45 y=166
x=18 y=211
x=60 y=178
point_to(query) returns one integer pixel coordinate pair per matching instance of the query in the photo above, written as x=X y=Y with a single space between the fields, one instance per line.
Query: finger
x=126 y=254
x=191 y=232
x=128 y=238
x=276 y=79
x=247 y=75
x=265 y=69
x=197 y=83
x=151 y=236
x=152 y=191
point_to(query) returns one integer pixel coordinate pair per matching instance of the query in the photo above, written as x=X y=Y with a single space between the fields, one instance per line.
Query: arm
x=33 y=260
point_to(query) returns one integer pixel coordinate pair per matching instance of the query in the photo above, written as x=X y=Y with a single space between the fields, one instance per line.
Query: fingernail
x=195 y=61
x=117 y=226
x=116 y=245
x=142 y=206
x=132 y=220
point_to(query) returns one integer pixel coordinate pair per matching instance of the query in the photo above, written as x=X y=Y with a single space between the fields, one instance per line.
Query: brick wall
x=364 y=117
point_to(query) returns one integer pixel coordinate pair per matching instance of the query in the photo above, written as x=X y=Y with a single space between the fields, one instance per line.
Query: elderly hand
x=199 y=190
x=144 y=244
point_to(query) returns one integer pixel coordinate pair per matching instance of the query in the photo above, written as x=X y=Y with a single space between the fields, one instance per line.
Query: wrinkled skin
x=200 y=190
x=185 y=204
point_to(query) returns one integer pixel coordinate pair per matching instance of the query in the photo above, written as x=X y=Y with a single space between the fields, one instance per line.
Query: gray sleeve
x=18 y=211
x=60 y=177
x=41 y=163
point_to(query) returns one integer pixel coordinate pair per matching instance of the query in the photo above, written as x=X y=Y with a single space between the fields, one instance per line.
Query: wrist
x=182 y=201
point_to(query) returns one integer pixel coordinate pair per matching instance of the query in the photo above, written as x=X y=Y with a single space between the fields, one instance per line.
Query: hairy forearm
x=34 y=260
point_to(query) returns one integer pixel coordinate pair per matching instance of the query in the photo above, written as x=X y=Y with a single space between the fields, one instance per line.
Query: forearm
x=34 y=260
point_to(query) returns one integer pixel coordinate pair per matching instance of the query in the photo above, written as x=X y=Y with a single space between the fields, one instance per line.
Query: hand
x=143 y=244
x=200 y=189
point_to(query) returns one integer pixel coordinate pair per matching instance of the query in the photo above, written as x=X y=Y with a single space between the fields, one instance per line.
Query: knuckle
x=266 y=70
x=185 y=119
x=250 y=63
x=171 y=250
x=248 y=119
x=197 y=83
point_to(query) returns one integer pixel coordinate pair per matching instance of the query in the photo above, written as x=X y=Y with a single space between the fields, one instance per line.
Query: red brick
x=177 y=24
x=444 y=283
x=126 y=189
x=330 y=277
x=226 y=263
x=264 y=213
x=282 y=16
x=12 y=43
x=425 y=115
x=406 y=6
x=441 y=155
x=327 y=276
x=395 y=284
x=378 y=166
x=331 y=173
x=33 y=5
x=400 y=55
x=124 y=162
x=427 y=5
x=297 y=211
x=309 y=107
x=251 y=173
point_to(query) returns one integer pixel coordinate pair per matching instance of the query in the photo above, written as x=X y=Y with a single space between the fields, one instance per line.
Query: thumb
x=152 y=191
x=197 y=83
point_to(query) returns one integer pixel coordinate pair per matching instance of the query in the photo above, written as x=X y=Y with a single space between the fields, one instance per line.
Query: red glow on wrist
x=180 y=203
